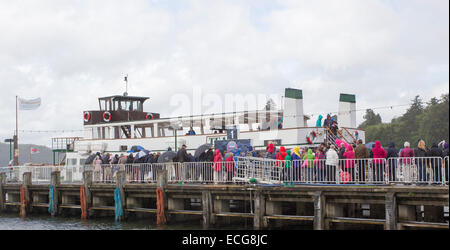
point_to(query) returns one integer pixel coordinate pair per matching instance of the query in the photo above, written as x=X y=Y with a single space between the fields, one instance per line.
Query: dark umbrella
x=90 y=159
x=141 y=154
x=202 y=149
x=166 y=156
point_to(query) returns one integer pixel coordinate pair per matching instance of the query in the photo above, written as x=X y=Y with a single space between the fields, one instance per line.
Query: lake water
x=44 y=222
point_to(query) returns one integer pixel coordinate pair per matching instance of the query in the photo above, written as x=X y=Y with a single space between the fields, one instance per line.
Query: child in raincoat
x=308 y=165
x=287 y=170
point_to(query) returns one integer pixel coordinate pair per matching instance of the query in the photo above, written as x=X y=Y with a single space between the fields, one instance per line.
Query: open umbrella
x=202 y=149
x=140 y=154
x=166 y=156
x=370 y=145
x=135 y=149
x=90 y=159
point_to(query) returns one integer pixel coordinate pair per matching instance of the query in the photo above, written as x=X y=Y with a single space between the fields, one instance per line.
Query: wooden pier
x=318 y=207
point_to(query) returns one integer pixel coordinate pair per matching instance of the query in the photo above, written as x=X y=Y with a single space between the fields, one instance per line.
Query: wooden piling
x=391 y=212
x=26 y=183
x=260 y=210
x=120 y=182
x=87 y=182
x=161 y=182
x=207 y=207
x=55 y=181
x=2 y=193
x=319 y=211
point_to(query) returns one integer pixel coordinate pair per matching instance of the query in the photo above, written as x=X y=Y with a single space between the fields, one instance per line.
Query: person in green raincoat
x=287 y=166
x=319 y=121
x=310 y=169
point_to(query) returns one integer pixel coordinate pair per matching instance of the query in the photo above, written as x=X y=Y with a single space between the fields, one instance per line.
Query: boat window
x=134 y=106
x=125 y=105
x=102 y=105
x=117 y=105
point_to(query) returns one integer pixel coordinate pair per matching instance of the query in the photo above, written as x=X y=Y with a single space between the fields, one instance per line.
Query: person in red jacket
x=280 y=161
x=281 y=155
x=217 y=166
x=379 y=156
x=229 y=165
x=349 y=157
x=270 y=149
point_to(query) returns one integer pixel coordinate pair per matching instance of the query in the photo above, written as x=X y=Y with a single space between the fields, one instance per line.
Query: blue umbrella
x=370 y=145
x=135 y=149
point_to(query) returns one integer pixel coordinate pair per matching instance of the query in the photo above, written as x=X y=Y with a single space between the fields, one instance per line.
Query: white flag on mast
x=29 y=104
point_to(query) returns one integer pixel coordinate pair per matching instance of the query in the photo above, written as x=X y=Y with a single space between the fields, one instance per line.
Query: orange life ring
x=87 y=116
x=107 y=116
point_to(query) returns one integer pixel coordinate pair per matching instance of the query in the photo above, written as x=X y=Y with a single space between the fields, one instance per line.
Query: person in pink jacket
x=379 y=156
x=229 y=165
x=218 y=161
x=406 y=154
x=349 y=157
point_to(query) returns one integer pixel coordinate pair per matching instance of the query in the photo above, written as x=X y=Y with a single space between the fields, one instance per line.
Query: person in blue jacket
x=328 y=121
x=238 y=153
x=250 y=149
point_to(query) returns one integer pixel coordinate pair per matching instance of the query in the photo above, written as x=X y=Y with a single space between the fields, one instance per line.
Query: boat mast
x=126 y=86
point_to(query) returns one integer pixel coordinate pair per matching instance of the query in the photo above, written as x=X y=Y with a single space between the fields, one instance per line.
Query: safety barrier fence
x=39 y=174
x=415 y=170
x=11 y=173
x=71 y=174
x=339 y=171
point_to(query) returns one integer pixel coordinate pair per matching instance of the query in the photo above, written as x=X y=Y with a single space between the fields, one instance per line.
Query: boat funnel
x=293 y=109
x=347 y=111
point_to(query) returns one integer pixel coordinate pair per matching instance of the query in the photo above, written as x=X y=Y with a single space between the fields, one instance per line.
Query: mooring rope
x=160 y=214
x=51 y=199
x=118 y=204
x=23 y=202
x=83 y=202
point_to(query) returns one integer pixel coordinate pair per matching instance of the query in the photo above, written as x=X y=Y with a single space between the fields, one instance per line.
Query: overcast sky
x=71 y=52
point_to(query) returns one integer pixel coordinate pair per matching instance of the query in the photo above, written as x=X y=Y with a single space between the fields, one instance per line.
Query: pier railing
x=11 y=173
x=415 y=170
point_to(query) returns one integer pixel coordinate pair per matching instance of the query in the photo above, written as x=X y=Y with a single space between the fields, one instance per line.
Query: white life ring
x=87 y=116
x=107 y=116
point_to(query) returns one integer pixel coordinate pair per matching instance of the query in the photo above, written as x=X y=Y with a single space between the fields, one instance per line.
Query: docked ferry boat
x=121 y=123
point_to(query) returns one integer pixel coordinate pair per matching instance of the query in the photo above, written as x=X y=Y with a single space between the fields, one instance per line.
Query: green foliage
x=370 y=119
x=430 y=123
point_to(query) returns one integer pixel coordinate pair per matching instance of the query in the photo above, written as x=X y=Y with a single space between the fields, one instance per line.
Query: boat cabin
x=118 y=109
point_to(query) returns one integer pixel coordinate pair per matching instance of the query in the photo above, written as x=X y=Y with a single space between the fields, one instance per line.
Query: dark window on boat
x=123 y=148
x=275 y=142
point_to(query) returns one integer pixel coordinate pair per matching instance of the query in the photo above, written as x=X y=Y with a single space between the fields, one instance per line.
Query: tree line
x=427 y=121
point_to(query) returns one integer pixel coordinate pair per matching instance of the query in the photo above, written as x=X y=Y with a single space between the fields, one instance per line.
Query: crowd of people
x=325 y=163
x=320 y=163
